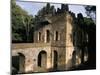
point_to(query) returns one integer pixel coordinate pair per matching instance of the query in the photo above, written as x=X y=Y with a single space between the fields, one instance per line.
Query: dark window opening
x=39 y=36
x=48 y=36
x=56 y=36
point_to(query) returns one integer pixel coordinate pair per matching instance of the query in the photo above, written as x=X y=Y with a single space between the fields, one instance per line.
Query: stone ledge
x=28 y=45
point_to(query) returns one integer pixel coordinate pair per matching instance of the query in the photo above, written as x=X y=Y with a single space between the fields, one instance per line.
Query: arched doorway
x=42 y=59
x=74 y=58
x=15 y=64
x=85 y=54
x=55 y=61
x=21 y=62
x=18 y=63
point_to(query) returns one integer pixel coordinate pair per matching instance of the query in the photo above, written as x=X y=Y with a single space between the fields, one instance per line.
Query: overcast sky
x=33 y=7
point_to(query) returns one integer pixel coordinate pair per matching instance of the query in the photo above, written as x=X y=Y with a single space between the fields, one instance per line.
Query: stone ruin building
x=56 y=46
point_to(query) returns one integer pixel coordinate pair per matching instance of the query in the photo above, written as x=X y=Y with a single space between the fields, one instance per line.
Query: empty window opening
x=56 y=36
x=39 y=36
x=47 y=36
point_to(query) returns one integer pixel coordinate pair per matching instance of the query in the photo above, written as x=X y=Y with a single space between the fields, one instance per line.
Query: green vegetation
x=22 y=24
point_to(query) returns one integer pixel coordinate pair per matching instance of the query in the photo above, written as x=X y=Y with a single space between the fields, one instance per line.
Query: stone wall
x=31 y=57
x=62 y=54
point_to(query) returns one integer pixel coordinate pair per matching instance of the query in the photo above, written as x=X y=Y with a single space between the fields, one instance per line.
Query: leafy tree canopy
x=22 y=23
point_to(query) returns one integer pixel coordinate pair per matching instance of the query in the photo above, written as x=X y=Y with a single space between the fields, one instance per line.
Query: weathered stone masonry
x=53 y=47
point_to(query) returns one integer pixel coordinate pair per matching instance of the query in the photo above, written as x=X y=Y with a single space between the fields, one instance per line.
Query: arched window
x=47 y=36
x=56 y=36
x=39 y=36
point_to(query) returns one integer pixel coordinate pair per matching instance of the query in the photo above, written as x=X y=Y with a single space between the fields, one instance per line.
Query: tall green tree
x=21 y=23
